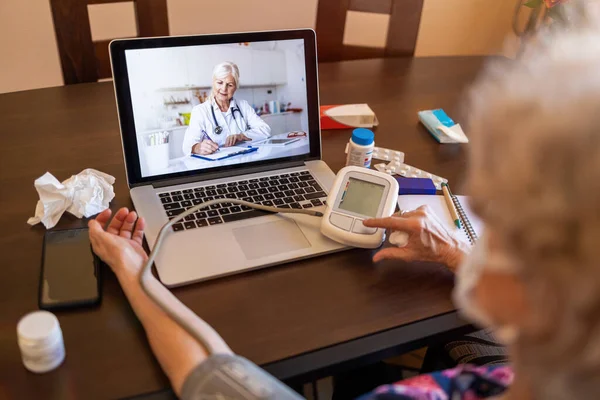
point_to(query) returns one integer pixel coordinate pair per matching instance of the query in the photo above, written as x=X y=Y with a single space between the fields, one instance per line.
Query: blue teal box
x=434 y=118
x=415 y=185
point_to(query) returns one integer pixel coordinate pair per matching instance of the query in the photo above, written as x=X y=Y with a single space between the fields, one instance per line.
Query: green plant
x=554 y=6
x=548 y=3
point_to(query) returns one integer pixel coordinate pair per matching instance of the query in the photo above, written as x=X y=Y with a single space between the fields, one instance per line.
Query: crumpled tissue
x=85 y=194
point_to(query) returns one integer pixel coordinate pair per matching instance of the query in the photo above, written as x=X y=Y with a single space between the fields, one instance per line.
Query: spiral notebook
x=471 y=225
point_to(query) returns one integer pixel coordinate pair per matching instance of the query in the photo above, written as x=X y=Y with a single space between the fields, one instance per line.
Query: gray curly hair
x=535 y=179
x=222 y=71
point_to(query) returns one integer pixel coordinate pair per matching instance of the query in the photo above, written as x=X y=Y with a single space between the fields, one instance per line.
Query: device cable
x=200 y=330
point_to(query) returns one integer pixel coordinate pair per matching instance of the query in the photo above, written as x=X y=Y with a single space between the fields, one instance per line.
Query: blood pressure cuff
x=229 y=376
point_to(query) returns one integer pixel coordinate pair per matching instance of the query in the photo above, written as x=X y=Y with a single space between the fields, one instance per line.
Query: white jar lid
x=38 y=326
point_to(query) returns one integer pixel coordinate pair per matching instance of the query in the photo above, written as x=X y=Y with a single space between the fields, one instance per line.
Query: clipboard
x=215 y=156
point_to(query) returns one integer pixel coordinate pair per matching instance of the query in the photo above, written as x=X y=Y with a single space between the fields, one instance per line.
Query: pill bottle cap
x=363 y=137
x=38 y=328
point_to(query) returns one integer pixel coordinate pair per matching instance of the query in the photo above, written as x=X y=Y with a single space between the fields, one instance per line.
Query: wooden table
x=300 y=320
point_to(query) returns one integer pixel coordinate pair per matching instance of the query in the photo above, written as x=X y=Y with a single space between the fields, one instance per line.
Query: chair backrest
x=83 y=60
x=403 y=28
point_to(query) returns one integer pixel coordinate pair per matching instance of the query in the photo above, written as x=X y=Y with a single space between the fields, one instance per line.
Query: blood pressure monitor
x=358 y=194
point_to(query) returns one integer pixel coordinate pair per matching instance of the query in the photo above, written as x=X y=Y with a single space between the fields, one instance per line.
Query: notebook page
x=439 y=207
x=476 y=223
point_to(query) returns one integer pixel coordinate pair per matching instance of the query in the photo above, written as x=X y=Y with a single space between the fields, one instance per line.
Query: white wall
x=464 y=27
x=28 y=53
x=30 y=58
x=205 y=16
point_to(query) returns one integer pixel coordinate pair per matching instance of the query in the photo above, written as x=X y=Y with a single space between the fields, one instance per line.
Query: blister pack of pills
x=409 y=171
x=396 y=166
x=380 y=153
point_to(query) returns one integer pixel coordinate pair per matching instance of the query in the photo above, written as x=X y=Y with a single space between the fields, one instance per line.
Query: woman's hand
x=205 y=147
x=120 y=245
x=428 y=240
x=233 y=139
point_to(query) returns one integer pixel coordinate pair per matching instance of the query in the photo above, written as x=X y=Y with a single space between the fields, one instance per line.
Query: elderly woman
x=534 y=168
x=223 y=120
x=533 y=276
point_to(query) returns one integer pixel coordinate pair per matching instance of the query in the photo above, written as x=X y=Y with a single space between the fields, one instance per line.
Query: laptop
x=163 y=91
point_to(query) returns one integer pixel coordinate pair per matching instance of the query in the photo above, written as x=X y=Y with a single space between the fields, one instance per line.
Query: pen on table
x=450 y=204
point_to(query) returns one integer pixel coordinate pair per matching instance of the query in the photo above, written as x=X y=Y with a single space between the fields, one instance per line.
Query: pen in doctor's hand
x=206 y=137
x=205 y=146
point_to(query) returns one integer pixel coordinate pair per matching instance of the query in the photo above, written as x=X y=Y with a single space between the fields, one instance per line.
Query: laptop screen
x=209 y=106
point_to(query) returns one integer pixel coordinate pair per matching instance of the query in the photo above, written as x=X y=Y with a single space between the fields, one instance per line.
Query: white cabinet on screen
x=200 y=65
x=276 y=122
x=193 y=67
x=168 y=68
x=269 y=68
x=283 y=123
x=278 y=68
x=202 y=61
x=293 y=122
x=243 y=59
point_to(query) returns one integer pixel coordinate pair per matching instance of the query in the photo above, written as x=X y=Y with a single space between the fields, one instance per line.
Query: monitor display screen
x=209 y=106
x=362 y=197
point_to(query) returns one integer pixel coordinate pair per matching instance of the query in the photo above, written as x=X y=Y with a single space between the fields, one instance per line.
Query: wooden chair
x=405 y=17
x=83 y=60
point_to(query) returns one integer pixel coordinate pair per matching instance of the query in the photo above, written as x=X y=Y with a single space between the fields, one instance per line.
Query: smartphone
x=70 y=275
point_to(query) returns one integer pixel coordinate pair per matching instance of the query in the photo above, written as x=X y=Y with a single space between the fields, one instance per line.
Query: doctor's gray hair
x=534 y=178
x=223 y=70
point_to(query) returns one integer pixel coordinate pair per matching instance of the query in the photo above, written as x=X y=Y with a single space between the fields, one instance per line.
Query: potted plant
x=542 y=12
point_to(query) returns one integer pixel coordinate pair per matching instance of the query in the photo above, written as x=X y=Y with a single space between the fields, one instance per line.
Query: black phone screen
x=69 y=271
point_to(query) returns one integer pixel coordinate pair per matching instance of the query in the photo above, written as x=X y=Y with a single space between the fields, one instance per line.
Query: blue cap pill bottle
x=359 y=151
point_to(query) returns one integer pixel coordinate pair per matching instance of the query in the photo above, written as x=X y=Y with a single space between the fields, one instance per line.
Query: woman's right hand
x=119 y=243
x=205 y=147
x=428 y=240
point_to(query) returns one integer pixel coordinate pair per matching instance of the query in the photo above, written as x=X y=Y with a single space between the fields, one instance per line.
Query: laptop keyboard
x=295 y=190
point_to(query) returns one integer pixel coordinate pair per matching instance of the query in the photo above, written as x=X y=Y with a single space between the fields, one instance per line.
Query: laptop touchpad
x=268 y=239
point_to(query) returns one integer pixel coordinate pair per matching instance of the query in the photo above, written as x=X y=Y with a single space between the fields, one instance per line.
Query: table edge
x=376 y=346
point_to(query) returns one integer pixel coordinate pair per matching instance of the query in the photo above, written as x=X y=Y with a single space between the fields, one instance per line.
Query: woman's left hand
x=428 y=240
x=233 y=139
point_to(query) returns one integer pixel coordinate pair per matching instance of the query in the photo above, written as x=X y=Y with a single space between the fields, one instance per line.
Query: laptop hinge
x=226 y=174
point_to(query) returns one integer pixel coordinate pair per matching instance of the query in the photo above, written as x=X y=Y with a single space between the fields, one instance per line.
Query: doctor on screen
x=223 y=121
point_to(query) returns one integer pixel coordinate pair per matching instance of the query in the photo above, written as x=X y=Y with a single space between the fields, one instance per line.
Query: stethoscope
x=219 y=129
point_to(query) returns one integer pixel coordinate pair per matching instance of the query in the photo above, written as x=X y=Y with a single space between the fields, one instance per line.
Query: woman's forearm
x=177 y=352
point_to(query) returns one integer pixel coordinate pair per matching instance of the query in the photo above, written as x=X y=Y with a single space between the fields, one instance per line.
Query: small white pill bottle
x=359 y=149
x=41 y=341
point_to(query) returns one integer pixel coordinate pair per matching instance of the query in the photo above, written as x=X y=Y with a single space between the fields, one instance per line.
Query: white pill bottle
x=41 y=341
x=359 y=149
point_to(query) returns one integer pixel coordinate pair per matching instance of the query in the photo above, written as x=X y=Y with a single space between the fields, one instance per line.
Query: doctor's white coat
x=202 y=124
